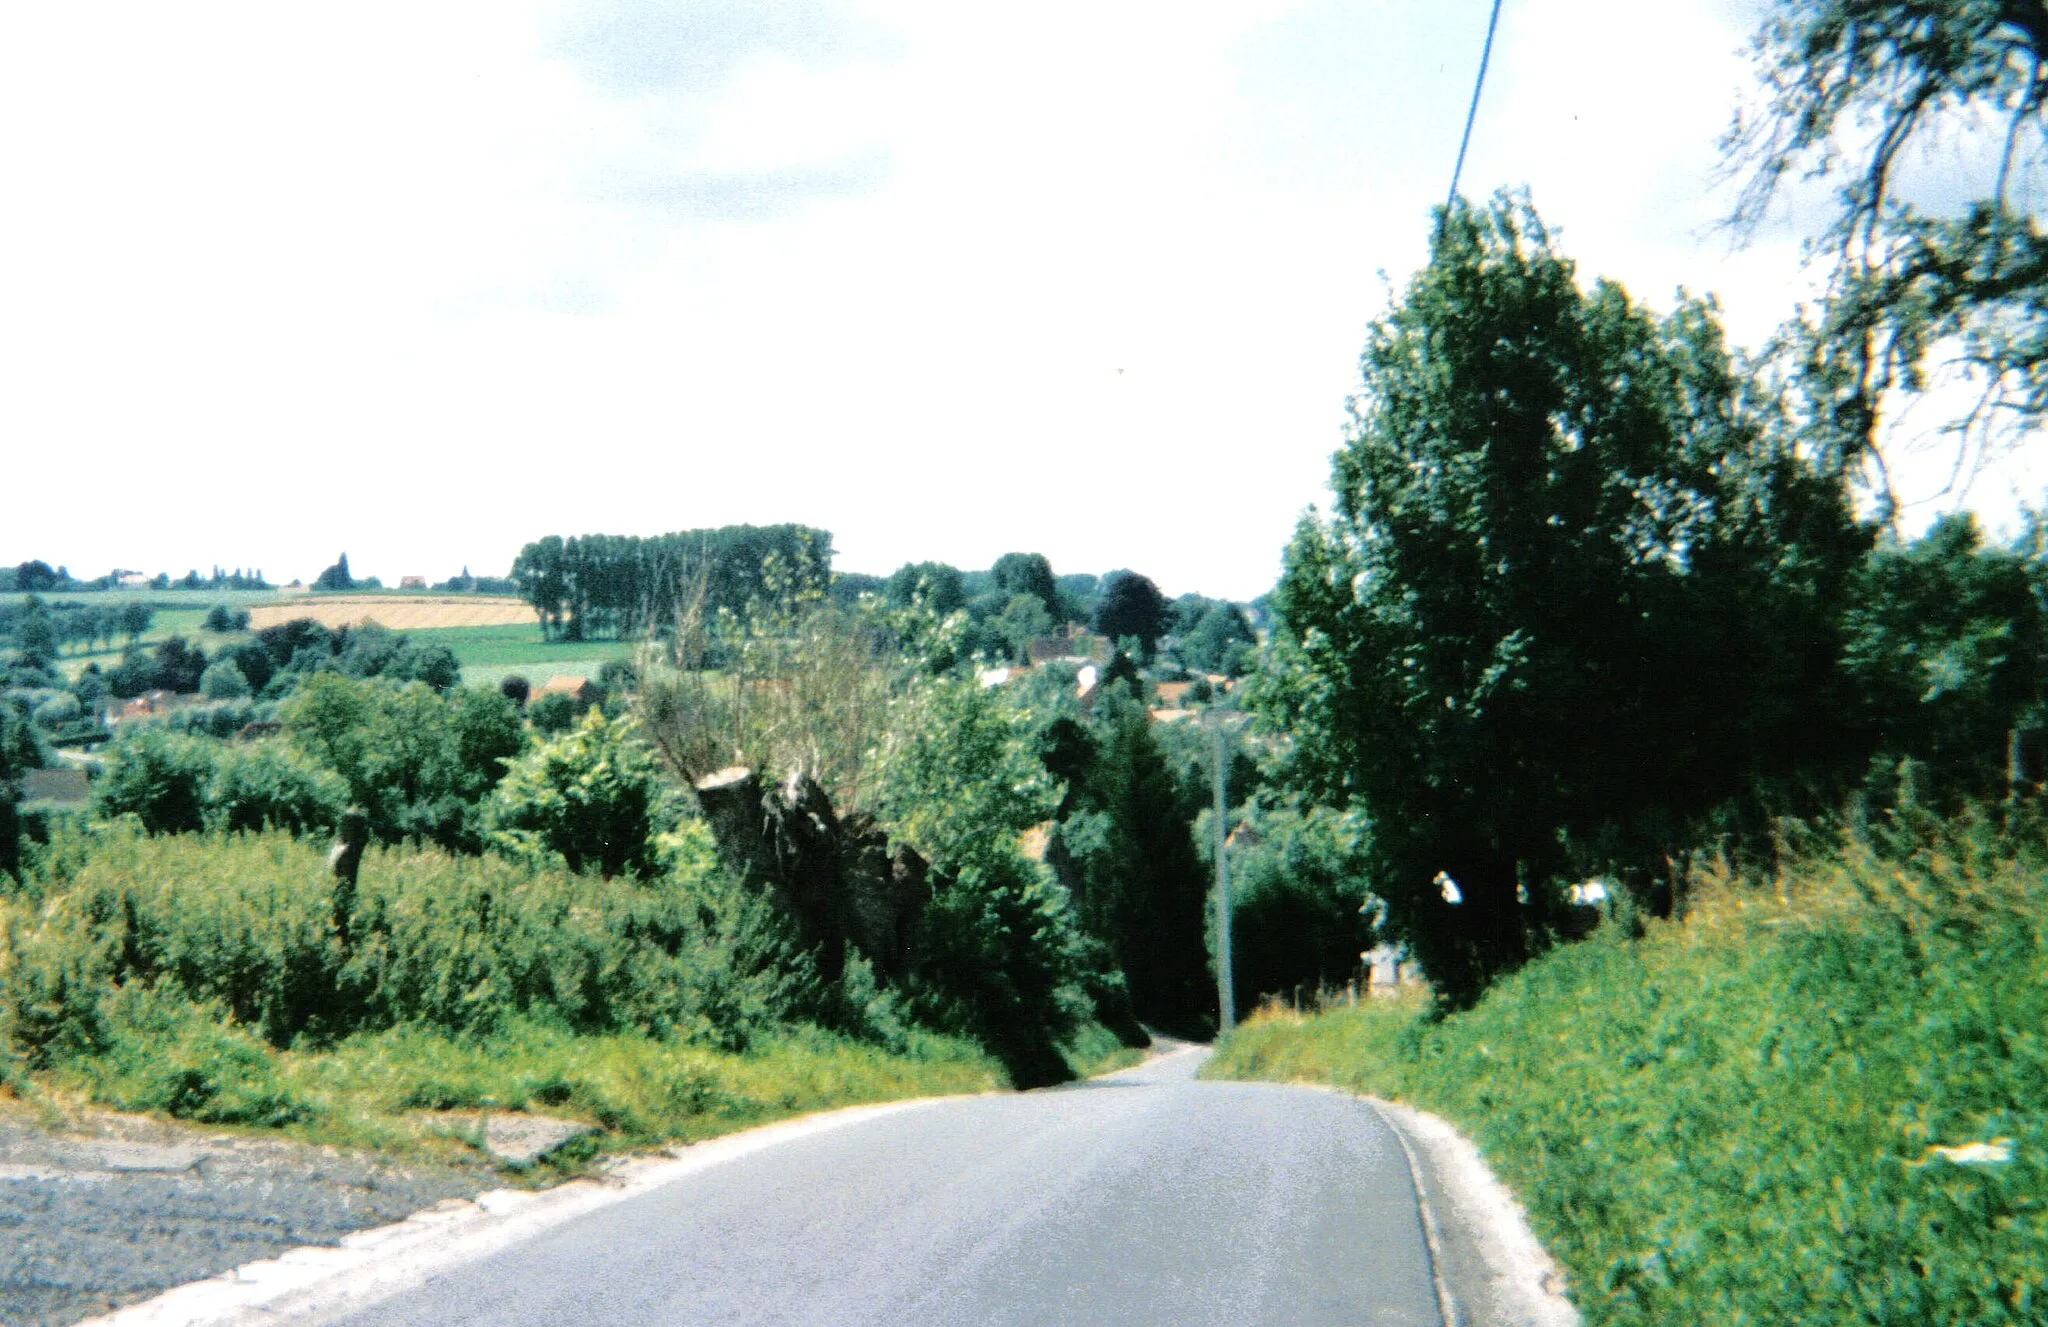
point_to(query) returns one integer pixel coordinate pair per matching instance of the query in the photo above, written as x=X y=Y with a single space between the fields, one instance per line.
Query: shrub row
x=251 y=924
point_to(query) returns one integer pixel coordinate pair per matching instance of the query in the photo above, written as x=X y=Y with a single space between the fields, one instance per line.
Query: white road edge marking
x=1523 y=1286
x=316 y=1283
x=1432 y=1236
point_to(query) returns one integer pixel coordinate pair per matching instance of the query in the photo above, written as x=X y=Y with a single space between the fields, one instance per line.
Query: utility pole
x=1226 y=1001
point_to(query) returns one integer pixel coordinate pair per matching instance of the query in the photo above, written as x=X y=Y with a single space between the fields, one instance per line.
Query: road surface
x=1143 y=1198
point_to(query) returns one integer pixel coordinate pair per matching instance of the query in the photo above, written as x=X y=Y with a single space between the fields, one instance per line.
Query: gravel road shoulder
x=107 y=1210
x=1489 y=1264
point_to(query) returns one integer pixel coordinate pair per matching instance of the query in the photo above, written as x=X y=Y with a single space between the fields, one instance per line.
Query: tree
x=34 y=577
x=418 y=763
x=1131 y=605
x=160 y=777
x=1004 y=959
x=937 y=585
x=223 y=680
x=1139 y=886
x=335 y=577
x=1856 y=92
x=1300 y=910
x=1948 y=655
x=593 y=795
x=1027 y=573
x=35 y=634
x=1220 y=641
x=1023 y=621
x=178 y=666
x=135 y=617
x=1578 y=588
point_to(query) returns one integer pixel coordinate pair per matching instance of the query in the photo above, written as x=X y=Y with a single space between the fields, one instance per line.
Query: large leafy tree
x=1131 y=605
x=1948 y=655
x=1930 y=266
x=1026 y=573
x=1579 y=585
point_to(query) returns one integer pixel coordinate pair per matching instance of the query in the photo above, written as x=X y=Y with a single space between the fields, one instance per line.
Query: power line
x=1473 y=114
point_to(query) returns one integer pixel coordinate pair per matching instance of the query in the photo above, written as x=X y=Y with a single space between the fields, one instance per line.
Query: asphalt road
x=1143 y=1198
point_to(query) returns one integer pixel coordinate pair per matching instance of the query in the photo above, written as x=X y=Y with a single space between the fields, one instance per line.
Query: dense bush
x=1301 y=913
x=419 y=763
x=249 y=924
x=223 y=680
x=1738 y=1119
x=592 y=796
x=1005 y=960
x=159 y=777
x=552 y=714
x=269 y=785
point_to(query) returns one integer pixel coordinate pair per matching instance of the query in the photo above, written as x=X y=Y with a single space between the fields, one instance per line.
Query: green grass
x=1733 y=1120
x=406 y=1090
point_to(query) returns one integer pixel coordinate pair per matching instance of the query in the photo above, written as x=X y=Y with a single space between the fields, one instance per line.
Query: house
x=1074 y=644
x=131 y=580
x=145 y=706
x=579 y=689
x=412 y=582
x=1383 y=968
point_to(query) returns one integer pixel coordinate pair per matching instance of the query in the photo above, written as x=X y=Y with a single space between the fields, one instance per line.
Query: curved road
x=1142 y=1198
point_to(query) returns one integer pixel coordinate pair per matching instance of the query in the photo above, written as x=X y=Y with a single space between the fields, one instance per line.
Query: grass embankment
x=1736 y=1120
x=206 y=978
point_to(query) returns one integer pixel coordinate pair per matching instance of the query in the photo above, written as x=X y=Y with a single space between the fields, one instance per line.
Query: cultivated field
x=398 y=612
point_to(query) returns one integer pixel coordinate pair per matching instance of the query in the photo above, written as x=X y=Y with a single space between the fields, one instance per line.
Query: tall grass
x=218 y=978
x=1735 y=1120
x=252 y=923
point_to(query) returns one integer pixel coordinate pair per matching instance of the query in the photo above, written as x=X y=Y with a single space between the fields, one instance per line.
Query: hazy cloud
x=667 y=46
x=746 y=195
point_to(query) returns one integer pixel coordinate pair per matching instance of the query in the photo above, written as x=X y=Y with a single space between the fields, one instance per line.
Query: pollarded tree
x=1929 y=260
x=1578 y=587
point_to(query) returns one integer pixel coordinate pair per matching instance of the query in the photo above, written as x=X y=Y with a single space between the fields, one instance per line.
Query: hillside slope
x=1821 y=1102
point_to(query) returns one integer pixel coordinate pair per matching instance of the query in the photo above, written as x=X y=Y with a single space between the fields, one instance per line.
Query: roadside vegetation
x=543 y=917
x=1818 y=1098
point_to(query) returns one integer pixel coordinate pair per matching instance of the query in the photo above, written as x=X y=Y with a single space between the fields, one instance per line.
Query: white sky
x=426 y=281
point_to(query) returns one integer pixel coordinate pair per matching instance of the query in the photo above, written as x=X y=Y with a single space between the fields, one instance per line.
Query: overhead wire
x=1485 y=55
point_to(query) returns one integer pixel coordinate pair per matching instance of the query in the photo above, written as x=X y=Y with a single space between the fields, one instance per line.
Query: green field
x=488 y=655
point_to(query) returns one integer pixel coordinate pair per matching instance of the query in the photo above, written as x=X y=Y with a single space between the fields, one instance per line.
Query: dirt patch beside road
x=118 y=1208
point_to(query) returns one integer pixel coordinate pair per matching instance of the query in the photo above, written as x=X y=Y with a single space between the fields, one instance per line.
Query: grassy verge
x=406 y=1091
x=1739 y=1119
x=219 y=979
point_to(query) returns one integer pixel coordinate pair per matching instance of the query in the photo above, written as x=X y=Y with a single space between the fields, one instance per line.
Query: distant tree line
x=38 y=577
x=588 y=586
